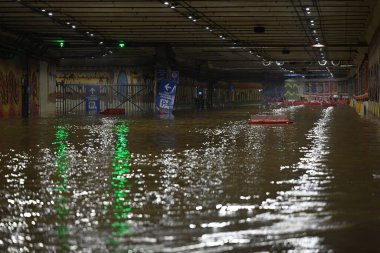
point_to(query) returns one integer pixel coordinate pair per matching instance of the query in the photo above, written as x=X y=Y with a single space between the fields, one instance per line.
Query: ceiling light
x=311 y=21
x=308 y=13
x=307 y=9
x=121 y=44
x=314 y=31
x=335 y=63
x=73 y=26
x=50 y=14
x=318 y=45
x=166 y=3
x=173 y=6
x=267 y=63
x=101 y=42
x=92 y=35
x=280 y=63
x=67 y=23
x=190 y=17
x=43 y=10
x=322 y=63
x=207 y=28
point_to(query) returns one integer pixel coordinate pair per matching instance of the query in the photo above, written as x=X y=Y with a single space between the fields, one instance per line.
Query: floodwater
x=201 y=182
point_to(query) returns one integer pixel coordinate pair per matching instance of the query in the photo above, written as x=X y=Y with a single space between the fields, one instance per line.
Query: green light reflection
x=121 y=183
x=62 y=185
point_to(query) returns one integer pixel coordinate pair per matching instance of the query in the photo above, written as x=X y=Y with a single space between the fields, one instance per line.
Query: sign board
x=166 y=96
x=92 y=93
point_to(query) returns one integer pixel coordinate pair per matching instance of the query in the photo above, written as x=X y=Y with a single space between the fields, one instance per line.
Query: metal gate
x=133 y=99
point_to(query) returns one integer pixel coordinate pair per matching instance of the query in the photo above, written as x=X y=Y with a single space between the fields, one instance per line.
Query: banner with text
x=166 y=96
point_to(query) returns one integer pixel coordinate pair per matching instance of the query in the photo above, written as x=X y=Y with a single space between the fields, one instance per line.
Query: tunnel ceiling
x=238 y=36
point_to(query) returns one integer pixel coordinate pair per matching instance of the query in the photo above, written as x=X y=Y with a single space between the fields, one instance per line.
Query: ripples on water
x=102 y=186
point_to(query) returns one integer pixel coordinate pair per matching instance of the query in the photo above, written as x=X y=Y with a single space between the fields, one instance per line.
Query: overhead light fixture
x=335 y=63
x=318 y=45
x=50 y=14
x=322 y=63
x=43 y=10
x=166 y=2
x=267 y=63
x=73 y=26
x=67 y=23
x=190 y=17
x=314 y=31
x=280 y=63
x=101 y=43
x=307 y=9
x=121 y=44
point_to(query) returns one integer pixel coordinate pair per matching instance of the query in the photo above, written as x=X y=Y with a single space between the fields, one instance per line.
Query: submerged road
x=201 y=182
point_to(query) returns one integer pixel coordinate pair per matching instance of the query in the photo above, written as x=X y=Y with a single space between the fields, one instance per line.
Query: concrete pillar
x=46 y=108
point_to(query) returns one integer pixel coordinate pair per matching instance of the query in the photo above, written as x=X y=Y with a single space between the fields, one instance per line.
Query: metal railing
x=133 y=99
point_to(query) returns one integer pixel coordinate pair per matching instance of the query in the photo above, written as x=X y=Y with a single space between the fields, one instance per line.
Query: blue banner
x=166 y=96
x=92 y=93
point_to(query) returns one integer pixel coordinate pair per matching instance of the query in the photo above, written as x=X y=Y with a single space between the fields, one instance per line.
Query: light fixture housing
x=318 y=45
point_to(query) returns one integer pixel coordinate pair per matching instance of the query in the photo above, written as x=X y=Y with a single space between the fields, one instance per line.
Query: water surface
x=201 y=182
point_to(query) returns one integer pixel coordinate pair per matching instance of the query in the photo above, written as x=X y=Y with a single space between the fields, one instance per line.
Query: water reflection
x=121 y=184
x=62 y=187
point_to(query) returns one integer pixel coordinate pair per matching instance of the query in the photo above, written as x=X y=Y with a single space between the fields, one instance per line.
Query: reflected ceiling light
x=280 y=63
x=322 y=63
x=335 y=63
x=101 y=43
x=314 y=31
x=67 y=23
x=308 y=13
x=318 y=45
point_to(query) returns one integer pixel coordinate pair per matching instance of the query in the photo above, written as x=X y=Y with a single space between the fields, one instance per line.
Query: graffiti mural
x=10 y=90
x=34 y=93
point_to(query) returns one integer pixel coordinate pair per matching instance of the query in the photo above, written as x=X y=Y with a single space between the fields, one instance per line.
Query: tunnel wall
x=20 y=87
x=374 y=75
